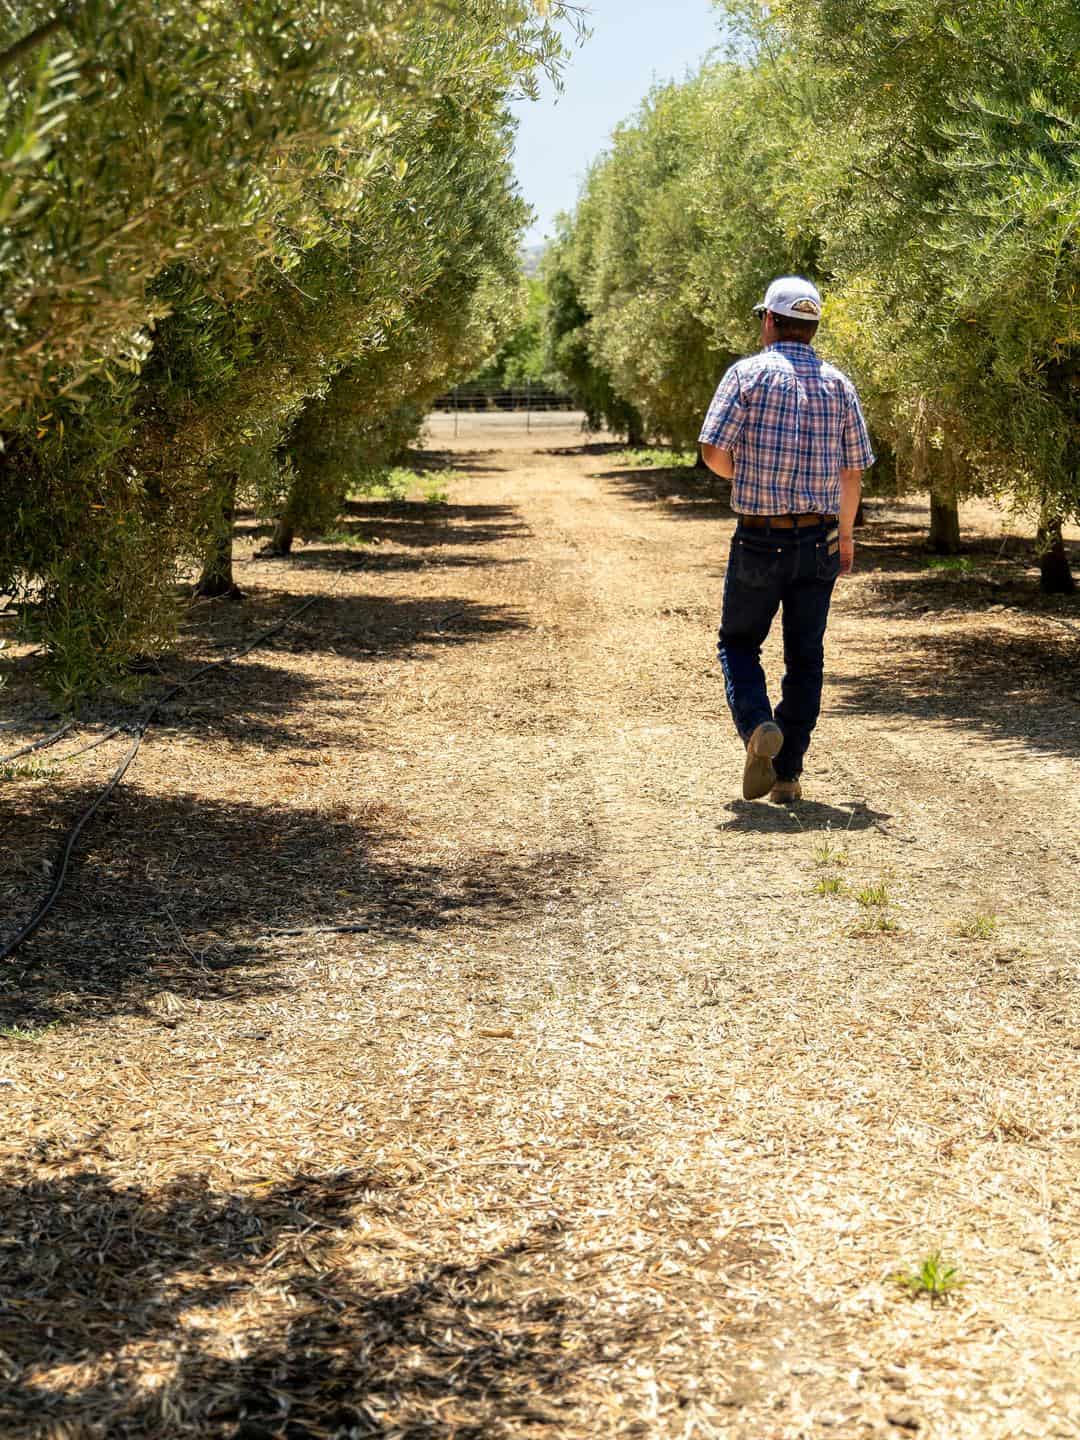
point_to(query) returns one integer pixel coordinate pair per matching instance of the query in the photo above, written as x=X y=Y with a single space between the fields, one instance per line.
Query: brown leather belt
x=785 y=522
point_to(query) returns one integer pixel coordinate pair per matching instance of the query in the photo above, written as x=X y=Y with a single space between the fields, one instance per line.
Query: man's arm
x=856 y=449
x=722 y=426
x=720 y=462
x=850 y=490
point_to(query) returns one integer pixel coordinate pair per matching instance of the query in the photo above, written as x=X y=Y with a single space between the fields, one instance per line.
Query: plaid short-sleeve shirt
x=793 y=422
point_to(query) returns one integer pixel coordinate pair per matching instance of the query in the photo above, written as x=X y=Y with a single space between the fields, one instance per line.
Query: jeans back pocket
x=757 y=563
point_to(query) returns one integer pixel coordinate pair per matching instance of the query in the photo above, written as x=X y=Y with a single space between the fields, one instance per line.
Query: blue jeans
x=767 y=569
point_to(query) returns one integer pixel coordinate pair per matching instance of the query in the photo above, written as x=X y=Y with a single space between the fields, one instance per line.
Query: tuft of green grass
x=398 y=482
x=872 y=895
x=958 y=564
x=31 y=771
x=826 y=855
x=336 y=535
x=646 y=458
x=874 y=922
x=829 y=885
x=932 y=1277
x=384 y=484
x=28 y=1034
x=980 y=926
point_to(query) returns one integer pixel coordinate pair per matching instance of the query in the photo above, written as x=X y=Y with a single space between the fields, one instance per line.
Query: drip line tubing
x=42 y=744
x=62 y=862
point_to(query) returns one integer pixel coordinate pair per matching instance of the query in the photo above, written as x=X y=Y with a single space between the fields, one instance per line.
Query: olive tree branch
x=38 y=36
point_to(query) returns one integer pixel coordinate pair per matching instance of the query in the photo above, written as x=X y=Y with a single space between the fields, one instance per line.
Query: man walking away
x=786 y=429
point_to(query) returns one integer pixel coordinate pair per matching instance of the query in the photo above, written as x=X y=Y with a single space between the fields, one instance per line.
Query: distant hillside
x=530 y=258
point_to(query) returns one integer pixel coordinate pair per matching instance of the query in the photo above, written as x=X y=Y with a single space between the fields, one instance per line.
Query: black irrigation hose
x=41 y=744
x=84 y=749
x=60 y=867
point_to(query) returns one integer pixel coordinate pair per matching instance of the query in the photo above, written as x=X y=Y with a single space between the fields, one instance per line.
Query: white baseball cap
x=792 y=296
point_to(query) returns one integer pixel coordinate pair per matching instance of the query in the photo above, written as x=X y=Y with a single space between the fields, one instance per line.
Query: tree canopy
x=921 y=165
x=217 y=224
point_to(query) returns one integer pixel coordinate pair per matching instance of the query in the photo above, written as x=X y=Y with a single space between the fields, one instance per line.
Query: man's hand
x=850 y=490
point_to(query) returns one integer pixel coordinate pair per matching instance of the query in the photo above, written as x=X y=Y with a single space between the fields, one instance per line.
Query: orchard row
x=921 y=162
x=241 y=248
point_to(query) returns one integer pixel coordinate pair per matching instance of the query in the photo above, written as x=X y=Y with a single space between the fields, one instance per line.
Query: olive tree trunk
x=281 y=542
x=944 y=520
x=216 y=581
x=1055 y=576
x=289 y=521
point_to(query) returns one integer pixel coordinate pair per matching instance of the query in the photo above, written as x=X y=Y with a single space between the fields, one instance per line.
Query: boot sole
x=759 y=776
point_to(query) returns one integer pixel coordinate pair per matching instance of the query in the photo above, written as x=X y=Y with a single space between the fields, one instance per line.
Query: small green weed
x=932 y=1277
x=880 y=925
x=645 y=459
x=958 y=564
x=434 y=486
x=338 y=536
x=872 y=895
x=15 y=771
x=826 y=855
x=829 y=885
x=399 y=482
x=980 y=926
x=27 y=1034
x=383 y=484
x=395 y=484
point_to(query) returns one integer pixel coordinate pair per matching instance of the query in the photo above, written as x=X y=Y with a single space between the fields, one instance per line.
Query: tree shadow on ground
x=249 y=703
x=906 y=581
x=413 y=524
x=1002 y=685
x=683 y=492
x=473 y=461
x=445 y=530
x=361 y=557
x=759 y=817
x=362 y=625
x=186 y=893
x=252 y=702
x=597 y=447
x=292 y=1312
x=405 y=523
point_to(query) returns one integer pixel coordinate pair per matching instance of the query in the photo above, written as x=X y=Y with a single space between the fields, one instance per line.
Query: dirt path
x=613 y=1117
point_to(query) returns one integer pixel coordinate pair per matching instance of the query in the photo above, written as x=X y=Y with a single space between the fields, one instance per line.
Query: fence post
x=455 y=410
x=528 y=406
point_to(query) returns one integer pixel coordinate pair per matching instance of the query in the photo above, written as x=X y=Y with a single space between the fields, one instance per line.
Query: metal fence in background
x=484 y=397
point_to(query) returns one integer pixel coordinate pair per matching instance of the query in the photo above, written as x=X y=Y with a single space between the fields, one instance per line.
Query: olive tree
x=678 y=228
x=207 y=215
x=942 y=161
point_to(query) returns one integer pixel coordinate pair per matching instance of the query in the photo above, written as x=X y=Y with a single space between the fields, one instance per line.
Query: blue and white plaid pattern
x=793 y=422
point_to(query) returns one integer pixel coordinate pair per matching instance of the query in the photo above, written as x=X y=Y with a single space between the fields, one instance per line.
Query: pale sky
x=634 y=44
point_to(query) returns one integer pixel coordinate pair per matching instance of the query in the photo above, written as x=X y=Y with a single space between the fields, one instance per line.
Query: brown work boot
x=758 y=776
x=785 y=792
